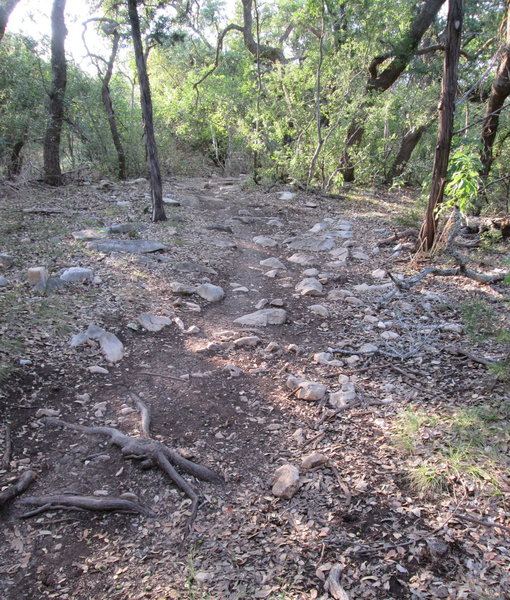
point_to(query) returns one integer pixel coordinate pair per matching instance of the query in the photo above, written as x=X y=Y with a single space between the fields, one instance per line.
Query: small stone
x=452 y=328
x=286 y=196
x=272 y=347
x=37 y=276
x=203 y=577
x=3 y=282
x=340 y=254
x=309 y=390
x=302 y=259
x=182 y=289
x=352 y=360
x=314 y=460
x=77 y=275
x=338 y=294
x=6 y=260
x=25 y=362
x=83 y=398
x=313 y=244
x=153 y=322
x=309 y=287
x=278 y=302
x=360 y=255
x=320 y=310
x=132 y=246
x=322 y=358
x=366 y=348
x=111 y=347
x=389 y=335
x=261 y=303
x=370 y=319
x=273 y=263
x=171 y=202
x=232 y=370
x=264 y=241
x=210 y=292
x=47 y=412
x=353 y=300
x=261 y=318
x=97 y=369
x=251 y=340
x=311 y=272
x=241 y=290
x=378 y=274
x=271 y=274
x=285 y=481
x=344 y=396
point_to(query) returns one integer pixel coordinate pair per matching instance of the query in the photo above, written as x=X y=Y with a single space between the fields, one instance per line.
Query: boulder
x=132 y=246
x=210 y=292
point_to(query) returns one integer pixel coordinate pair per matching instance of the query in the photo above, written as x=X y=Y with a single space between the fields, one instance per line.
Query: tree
x=6 y=8
x=52 y=171
x=499 y=93
x=158 y=210
x=377 y=83
x=446 y=116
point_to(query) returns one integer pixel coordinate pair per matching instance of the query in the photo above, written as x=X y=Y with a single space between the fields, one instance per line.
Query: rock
x=286 y=195
x=314 y=460
x=370 y=319
x=318 y=227
x=273 y=347
x=232 y=370
x=452 y=328
x=261 y=318
x=220 y=227
x=192 y=330
x=273 y=263
x=264 y=241
x=47 y=412
x=378 y=273
x=389 y=335
x=241 y=290
x=364 y=288
x=352 y=360
x=275 y=222
x=97 y=369
x=310 y=273
x=309 y=287
x=37 y=276
x=286 y=481
x=326 y=358
x=3 y=282
x=302 y=259
x=191 y=267
x=340 y=254
x=77 y=274
x=223 y=243
x=344 y=396
x=210 y=292
x=171 y=202
x=338 y=294
x=90 y=234
x=360 y=255
x=6 y=260
x=320 y=310
x=271 y=274
x=309 y=390
x=310 y=204
x=353 y=300
x=182 y=289
x=122 y=228
x=132 y=246
x=111 y=347
x=312 y=244
x=262 y=303
x=251 y=340
x=366 y=348
x=153 y=322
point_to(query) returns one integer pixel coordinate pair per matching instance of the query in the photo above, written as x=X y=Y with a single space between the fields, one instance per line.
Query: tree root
x=411 y=232
x=72 y=502
x=6 y=458
x=151 y=453
x=17 y=488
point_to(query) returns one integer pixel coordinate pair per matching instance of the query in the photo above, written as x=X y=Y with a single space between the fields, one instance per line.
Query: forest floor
x=410 y=498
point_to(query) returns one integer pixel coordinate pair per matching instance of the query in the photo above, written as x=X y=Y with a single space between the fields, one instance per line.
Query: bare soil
x=359 y=510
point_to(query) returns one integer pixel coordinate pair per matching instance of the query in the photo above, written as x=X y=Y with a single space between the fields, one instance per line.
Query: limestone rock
x=153 y=322
x=378 y=273
x=366 y=348
x=286 y=481
x=182 y=289
x=285 y=196
x=389 y=335
x=452 y=328
x=3 y=282
x=37 y=276
x=314 y=460
x=261 y=318
x=312 y=244
x=302 y=259
x=251 y=340
x=309 y=287
x=77 y=274
x=319 y=310
x=338 y=294
x=312 y=391
x=210 y=292
x=97 y=369
x=88 y=235
x=6 y=260
x=344 y=396
x=273 y=263
x=132 y=246
x=122 y=228
x=264 y=241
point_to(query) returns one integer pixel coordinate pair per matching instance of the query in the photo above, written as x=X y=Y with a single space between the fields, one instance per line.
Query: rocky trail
x=265 y=337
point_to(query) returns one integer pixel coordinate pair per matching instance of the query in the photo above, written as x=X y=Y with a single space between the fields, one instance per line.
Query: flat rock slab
x=223 y=244
x=272 y=263
x=309 y=287
x=133 y=246
x=77 y=274
x=153 y=322
x=261 y=318
x=264 y=241
x=111 y=346
x=312 y=244
x=305 y=260
x=90 y=234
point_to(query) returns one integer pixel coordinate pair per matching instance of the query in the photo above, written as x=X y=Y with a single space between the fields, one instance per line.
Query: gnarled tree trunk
x=158 y=210
x=378 y=83
x=446 y=115
x=6 y=8
x=52 y=172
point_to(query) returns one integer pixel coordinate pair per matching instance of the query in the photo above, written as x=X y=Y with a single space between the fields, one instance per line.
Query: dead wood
x=471 y=355
x=411 y=232
x=332 y=584
x=6 y=458
x=483 y=522
x=151 y=453
x=17 y=488
x=72 y=502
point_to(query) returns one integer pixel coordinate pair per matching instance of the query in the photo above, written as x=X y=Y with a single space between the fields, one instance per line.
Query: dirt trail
x=233 y=413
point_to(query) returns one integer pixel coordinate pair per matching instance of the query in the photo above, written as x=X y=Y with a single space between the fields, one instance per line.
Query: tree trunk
x=446 y=115
x=16 y=159
x=52 y=172
x=158 y=210
x=377 y=83
x=6 y=8
x=499 y=93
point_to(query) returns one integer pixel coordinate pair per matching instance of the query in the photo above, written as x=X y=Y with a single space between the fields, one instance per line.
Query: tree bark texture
x=446 y=116
x=6 y=8
x=254 y=47
x=158 y=210
x=499 y=93
x=377 y=83
x=51 y=150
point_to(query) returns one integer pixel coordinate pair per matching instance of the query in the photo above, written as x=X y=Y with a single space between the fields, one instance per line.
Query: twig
x=343 y=485
x=471 y=355
x=6 y=458
x=17 y=488
x=482 y=522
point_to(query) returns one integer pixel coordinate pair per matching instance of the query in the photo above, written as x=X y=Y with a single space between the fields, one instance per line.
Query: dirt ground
x=442 y=534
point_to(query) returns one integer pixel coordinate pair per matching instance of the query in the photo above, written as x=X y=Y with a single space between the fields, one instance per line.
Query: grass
x=465 y=447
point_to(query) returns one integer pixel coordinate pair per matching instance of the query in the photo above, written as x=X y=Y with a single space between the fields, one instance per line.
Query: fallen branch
x=151 y=453
x=471 y=355
x=411 y=232
x=72 y=502
x=483 y=522
x=17 y=488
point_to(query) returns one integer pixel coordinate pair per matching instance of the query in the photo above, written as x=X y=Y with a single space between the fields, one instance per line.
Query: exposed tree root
x=411 y=232
x=17 y=488
x=151 y=453
x=72 y=502
x=6 y=458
